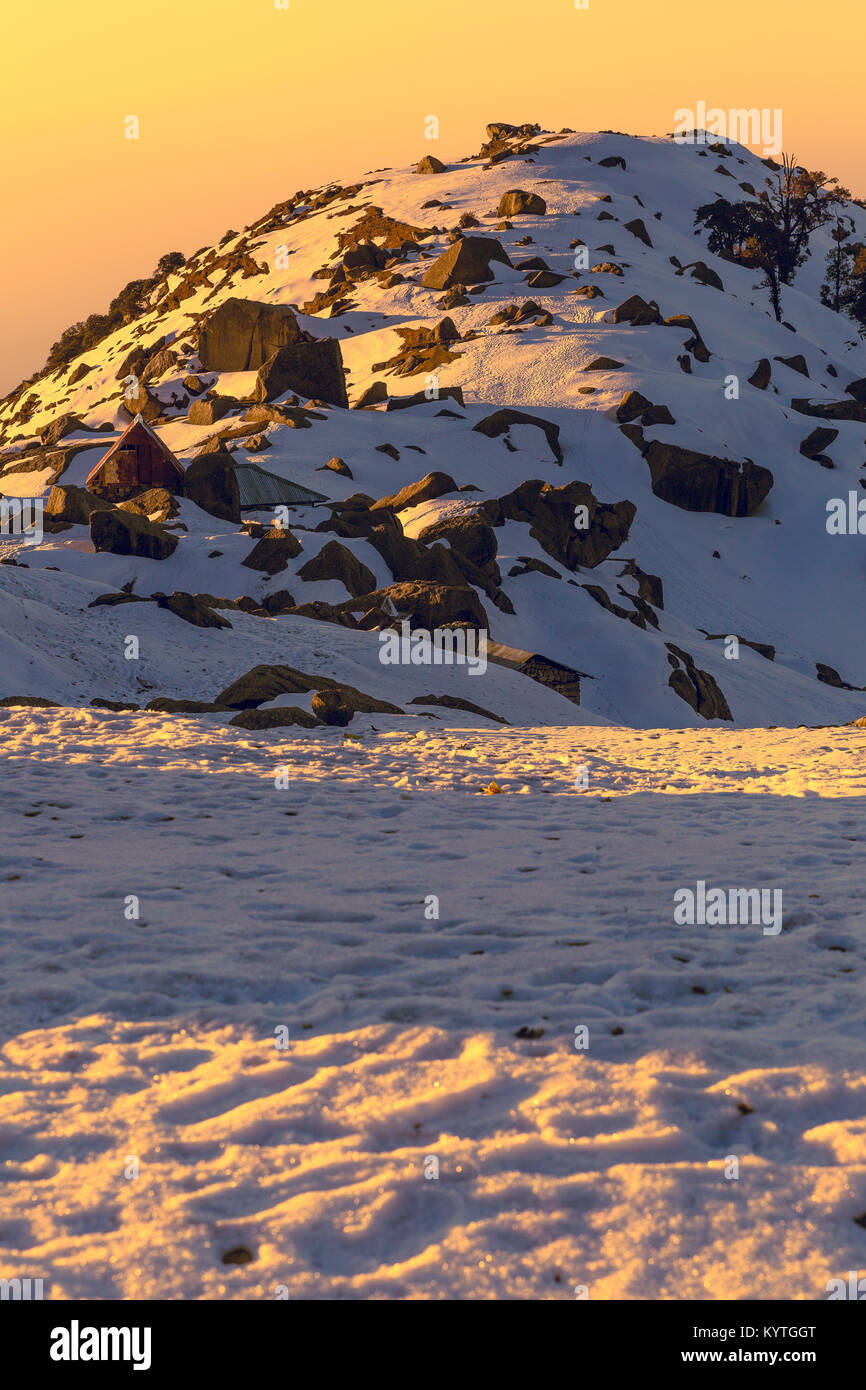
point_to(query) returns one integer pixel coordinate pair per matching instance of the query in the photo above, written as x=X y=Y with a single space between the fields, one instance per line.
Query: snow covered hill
x=676 y=550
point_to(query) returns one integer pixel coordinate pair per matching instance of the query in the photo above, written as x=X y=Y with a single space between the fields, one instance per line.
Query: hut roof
x=259 y=488
x=137 y=432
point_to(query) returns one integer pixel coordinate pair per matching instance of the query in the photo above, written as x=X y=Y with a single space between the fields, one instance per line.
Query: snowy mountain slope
x=773 y=577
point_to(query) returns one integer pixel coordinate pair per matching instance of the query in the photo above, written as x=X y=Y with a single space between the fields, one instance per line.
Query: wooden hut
x=137 y=461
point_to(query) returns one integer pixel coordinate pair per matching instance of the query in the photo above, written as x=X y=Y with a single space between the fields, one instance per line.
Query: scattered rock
x=337 y=465
x=517 y=201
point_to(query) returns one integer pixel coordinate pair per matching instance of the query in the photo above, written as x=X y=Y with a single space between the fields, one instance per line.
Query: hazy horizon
x=238 y=108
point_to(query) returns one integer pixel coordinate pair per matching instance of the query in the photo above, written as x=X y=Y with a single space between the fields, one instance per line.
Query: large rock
x=702 y=483
x=813 y=445
x=273 y=552
x=637 y=312
x=409 y=559
x=124 y=533
x=137 y=400
x=834 y=410
x=156 y=504
x=59 y=427
x=637 y=227
x=517 y=201
x=469 y=533
x=466 y=262
x=313 y=370
x=242 y=334
x=209 y=412
x=72 y=504
x=501 y=421
x=430 y=486
x=336 y=561
x=760 y=377
x=210 y=482
x=430 y=165
x=797 y=363
x=330 y=707
x=191 y=608
x=455 y=702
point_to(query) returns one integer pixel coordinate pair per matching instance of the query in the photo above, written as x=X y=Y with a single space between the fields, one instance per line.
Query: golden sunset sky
x=240 y=102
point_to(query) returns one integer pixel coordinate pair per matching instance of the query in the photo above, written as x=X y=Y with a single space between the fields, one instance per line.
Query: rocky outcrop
x=137 y=400
x=797 y=363
x=59 y=427
x=157 y=504
x=637 y=312
x=336 y=465
x=443 y=393
x=550 y=513
x=422 y=350
x=469 y=534
x=702 y=483
x=698 y=688
x=424 y=604
x=833 y=410
x=634 y=406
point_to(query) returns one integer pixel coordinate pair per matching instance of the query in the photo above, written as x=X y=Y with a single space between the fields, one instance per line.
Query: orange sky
x=240 y=102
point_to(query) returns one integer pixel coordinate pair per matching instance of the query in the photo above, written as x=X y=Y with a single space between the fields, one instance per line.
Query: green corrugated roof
x=259 y=488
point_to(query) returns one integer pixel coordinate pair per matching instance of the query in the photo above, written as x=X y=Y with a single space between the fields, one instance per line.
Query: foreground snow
x=303 y=907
